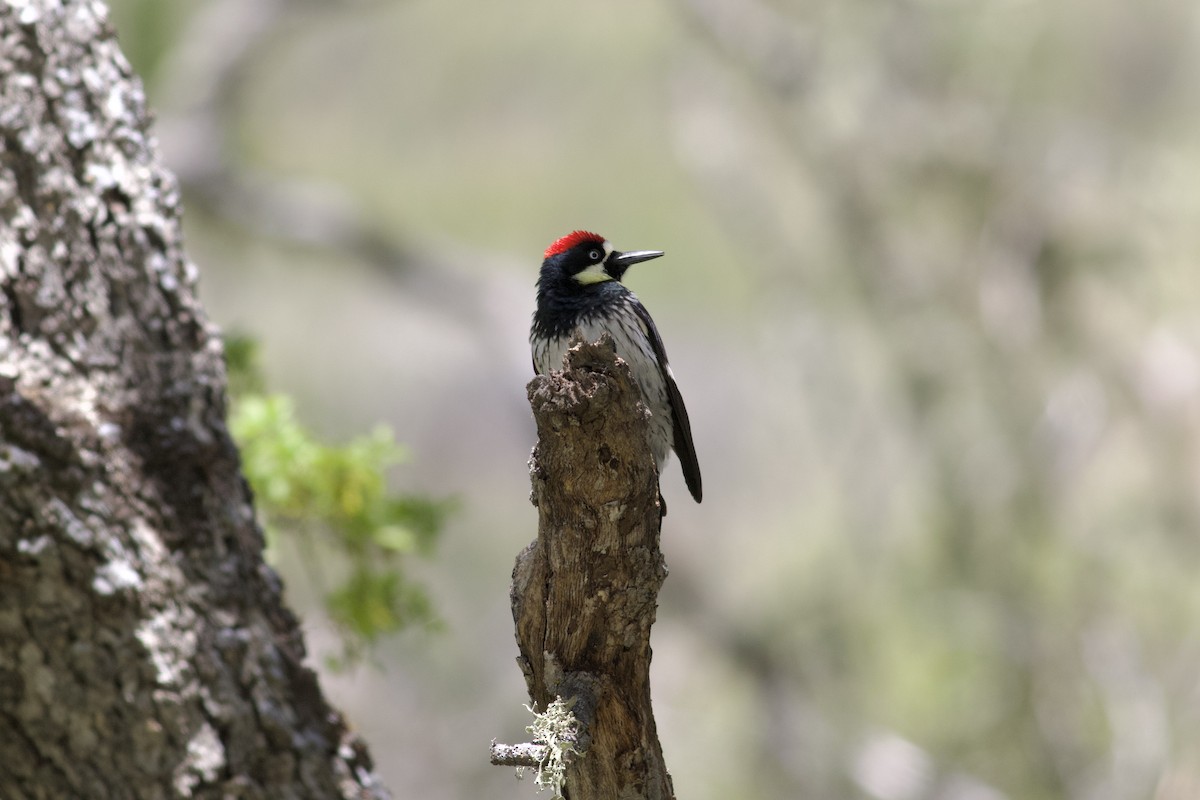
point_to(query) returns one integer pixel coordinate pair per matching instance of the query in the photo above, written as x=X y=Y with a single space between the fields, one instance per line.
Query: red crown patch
x=570 y=240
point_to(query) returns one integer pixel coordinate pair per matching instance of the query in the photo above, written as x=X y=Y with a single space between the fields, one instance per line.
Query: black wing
x=679 y=418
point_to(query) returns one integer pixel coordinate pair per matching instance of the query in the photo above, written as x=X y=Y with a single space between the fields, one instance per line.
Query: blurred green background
x=929 y=291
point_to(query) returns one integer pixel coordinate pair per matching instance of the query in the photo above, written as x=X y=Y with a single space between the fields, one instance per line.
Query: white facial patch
x=595 y=273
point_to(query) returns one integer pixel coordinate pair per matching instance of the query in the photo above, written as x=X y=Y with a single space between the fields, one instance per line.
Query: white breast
x=633 y=346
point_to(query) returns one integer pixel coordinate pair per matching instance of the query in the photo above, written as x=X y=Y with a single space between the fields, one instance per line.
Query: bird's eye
x=594 y=255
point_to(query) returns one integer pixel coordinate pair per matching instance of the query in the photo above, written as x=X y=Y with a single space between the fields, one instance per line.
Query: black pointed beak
x=627 y=260
x=619 y=262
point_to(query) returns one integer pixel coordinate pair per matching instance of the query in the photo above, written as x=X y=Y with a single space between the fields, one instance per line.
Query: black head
x=588 y=258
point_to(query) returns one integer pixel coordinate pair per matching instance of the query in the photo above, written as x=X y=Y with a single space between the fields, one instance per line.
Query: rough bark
x=144 y=648
x=584 y=593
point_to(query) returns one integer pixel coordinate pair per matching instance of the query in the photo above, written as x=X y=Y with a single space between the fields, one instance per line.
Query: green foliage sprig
x=335 y=500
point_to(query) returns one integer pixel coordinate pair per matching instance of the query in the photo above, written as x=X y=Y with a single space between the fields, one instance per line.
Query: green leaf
x=334 y=500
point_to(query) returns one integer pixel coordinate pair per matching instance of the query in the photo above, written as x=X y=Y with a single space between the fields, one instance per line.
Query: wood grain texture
x=584 y=593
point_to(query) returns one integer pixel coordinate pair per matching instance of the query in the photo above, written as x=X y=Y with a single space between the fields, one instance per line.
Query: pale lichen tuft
x=557 y=729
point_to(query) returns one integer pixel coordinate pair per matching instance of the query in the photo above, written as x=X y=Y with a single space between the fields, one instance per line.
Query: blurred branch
x=775 y=48
x=204 y=81
x=972 y=215
x=584 y=592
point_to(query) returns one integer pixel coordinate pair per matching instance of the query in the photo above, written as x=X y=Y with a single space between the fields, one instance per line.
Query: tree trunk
x=144 y=648
x=584 y=593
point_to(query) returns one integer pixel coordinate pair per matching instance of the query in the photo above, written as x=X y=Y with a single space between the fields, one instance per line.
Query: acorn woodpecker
x=579 y=292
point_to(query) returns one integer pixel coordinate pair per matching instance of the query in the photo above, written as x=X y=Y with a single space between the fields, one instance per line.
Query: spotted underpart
x=632 y=344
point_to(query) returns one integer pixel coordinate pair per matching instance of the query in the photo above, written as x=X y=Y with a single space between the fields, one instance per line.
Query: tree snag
x=145 y=651
x=584 y=593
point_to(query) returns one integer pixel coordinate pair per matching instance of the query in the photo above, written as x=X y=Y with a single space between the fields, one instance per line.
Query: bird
x=580 y=294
